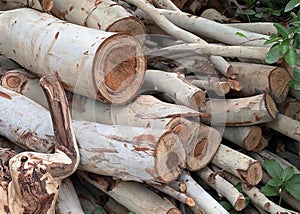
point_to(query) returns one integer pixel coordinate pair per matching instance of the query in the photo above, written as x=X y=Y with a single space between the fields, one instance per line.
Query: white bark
x=286 y=125
x=220 y=88
x=133 y=196
x=266 y=28
x=200 y=25
x=257 y=78
x=166 y=4
x=247 y=137
x=67 y=200
x=102 y=15
x=238 y=164
x=201 y=197
x=43 y=5
x=85 y=66
x=169 y=83
x=223 y=187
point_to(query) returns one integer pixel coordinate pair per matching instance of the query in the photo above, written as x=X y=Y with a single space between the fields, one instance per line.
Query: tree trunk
x=102 y=15
x=145 y=202
x=43 y=5
x=240 y=112
x=223 y=187
x=169 y=83
x=242 y=166
x=91 y=69
x=247 y=137
x=257 y=79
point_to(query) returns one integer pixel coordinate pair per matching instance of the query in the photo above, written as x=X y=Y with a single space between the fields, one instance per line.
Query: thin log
x=258 y=198
x=183 y=198
x=166 y=4
x=257 y=79
x=266 y=28
x=244 y=167
x=27 y=168
x=241 y=111
x=178 y=186
x=145 y=202
x=67 y=200
x=198 y=25
x=221 y=88
x=286 y=125
x=43 y=5
x=290 y=107
x=102 y=15
x=223 y=187
x=188 y=95
x=247 y=137
x=178 y=33
x=94 y=73
x=201 y=197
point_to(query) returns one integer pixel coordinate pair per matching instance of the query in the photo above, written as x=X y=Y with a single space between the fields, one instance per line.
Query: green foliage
x=281 y=180
x=98 y=210
x=131 y=212
x=291 y=5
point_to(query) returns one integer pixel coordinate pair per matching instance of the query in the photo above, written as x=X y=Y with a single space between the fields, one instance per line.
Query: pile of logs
x=142 y=104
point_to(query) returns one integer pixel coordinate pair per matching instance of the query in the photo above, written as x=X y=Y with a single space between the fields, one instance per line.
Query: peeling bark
x=104 y=65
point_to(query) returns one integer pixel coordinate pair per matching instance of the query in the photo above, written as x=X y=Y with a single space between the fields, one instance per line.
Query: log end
x=240 y=203
x=270 y=105
x=47 y=5
x=131 y=26
x=197 y=99
x=253 y=175
x=279 y=79
x=119 y=69
x=13 y=81
x=223 y=88
x=169 y=157
x=174 y=211
x=253 y=138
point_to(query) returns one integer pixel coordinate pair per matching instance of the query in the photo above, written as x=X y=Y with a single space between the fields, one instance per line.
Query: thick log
x=264 y=142
x=257 y=79
x=286 y=125
x=161 y=152
x=102 y=15
x=244 y=167
x=204 y=200
x=290 y=107
x=67 y=200
x=145 y=202
x=45 y=171
x=43 y=5
x=223 y=187
x=241 y=111
x=266 y=28
x=188 y=95
x=93 y=66
x=247 y=137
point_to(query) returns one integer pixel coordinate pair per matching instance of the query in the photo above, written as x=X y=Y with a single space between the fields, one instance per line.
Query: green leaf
x=296 y=41
x=296 y=86
x=273 y=168
x=296 y=75
x=283 y=31
x=239 y=187
x=293 y=186
x=275 y=182
x=241 y=34
x=88 y=212
x=291 y=57
x=131 y=212
x=99 y=210
x=269 y=190
x=291 y=5
x=269 y=41
x=287 y=173
x=273 y=54
x=250 y=12
x=259 y=15
x=276 y=13
x=226 y=205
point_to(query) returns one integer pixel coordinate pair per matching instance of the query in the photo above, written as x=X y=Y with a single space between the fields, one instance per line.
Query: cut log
x=67 y=200
x=112 y=206
x=43 y=5
x=264 y=142
x=204 y=200
x=105 y=66
x=244 y=167
x=290 y=107
x=223 y=187
x=145 y=202
x=242 y=111
x=169 y=83
x=286 y=125
x=266 y=28
x=45 y=171
x=247 y=137
x=102 y=15
x=257 y=79
x=258 y=198
x=161 y=152
x=221 y=88
x=198 y=25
